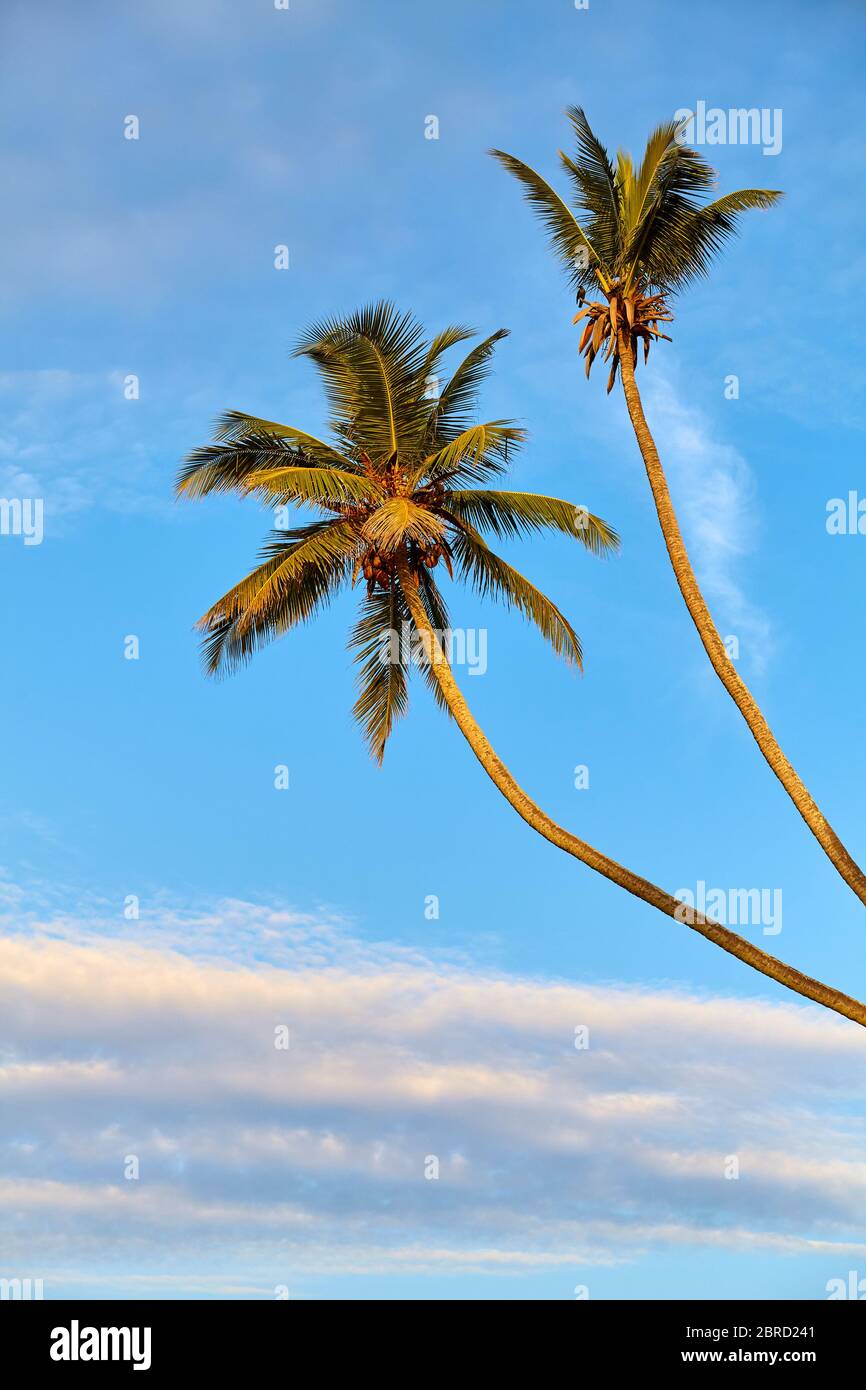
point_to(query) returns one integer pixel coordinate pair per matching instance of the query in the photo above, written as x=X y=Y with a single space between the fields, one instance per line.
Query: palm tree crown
x=638 y=234
x=401 y=488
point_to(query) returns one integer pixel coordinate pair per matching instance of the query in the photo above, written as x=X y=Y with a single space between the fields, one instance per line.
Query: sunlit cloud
x=317 y=1156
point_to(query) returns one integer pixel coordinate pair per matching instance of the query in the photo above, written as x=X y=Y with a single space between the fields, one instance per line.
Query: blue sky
x=155 y=257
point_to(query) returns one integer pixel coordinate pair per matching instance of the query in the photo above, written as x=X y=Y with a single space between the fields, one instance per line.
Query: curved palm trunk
x=563 y=839
x=715 y=647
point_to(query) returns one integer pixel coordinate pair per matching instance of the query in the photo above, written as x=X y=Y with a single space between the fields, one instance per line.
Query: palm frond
x=636 y=194
x=333 y=487
x=597 y=171
x=300 y=571
x=493 y=577
x=509 y=514
x=377 y=641
x=437 y=615
x=439 y=345
x=225 y=467
x=660 y=246
x=597 y=189
x=234 y=425
x=705 y=231
x=565 y=234
x=452 y=412
x=743 y=200
x=479 y=452
x=434 y=603
x=370 y=363
x=398 y=335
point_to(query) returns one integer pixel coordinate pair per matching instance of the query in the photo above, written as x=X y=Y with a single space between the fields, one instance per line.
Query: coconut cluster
x=380 y=569
x=376 y=570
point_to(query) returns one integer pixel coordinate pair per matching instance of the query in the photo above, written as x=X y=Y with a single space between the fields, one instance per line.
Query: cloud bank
x=153 y=1048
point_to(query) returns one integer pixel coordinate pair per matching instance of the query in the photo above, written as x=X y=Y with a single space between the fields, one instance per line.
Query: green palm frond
x=439 y=345
x=638 y=191
x=300 y=571
x=478 y=452
x=509 y=514
x=332 y=487
x=705 y=230
x=434 y=603
x=661 y=246
x=437 y=615
x=234 y=425
x=596 y=187
x=400 y=337
x=225 y=467
x=741 y=201
x=377 y=640
x=570 y=242
x=371 y=363
x=493 y=577
x=451 y=414
x=385 y=644
x=597 y=174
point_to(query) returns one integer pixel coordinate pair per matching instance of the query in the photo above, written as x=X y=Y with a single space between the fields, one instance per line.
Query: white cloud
x=312 y=1160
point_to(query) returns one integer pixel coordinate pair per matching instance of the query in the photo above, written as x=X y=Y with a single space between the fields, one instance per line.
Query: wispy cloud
x=714 y=492
x=58 y=426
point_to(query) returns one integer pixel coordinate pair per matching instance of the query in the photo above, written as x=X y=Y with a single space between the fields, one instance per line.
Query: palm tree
x=402 y=489
x=639 y=236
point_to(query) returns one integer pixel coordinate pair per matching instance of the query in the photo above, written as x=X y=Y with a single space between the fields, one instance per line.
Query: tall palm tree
x=638 y=236
x=402 y=489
